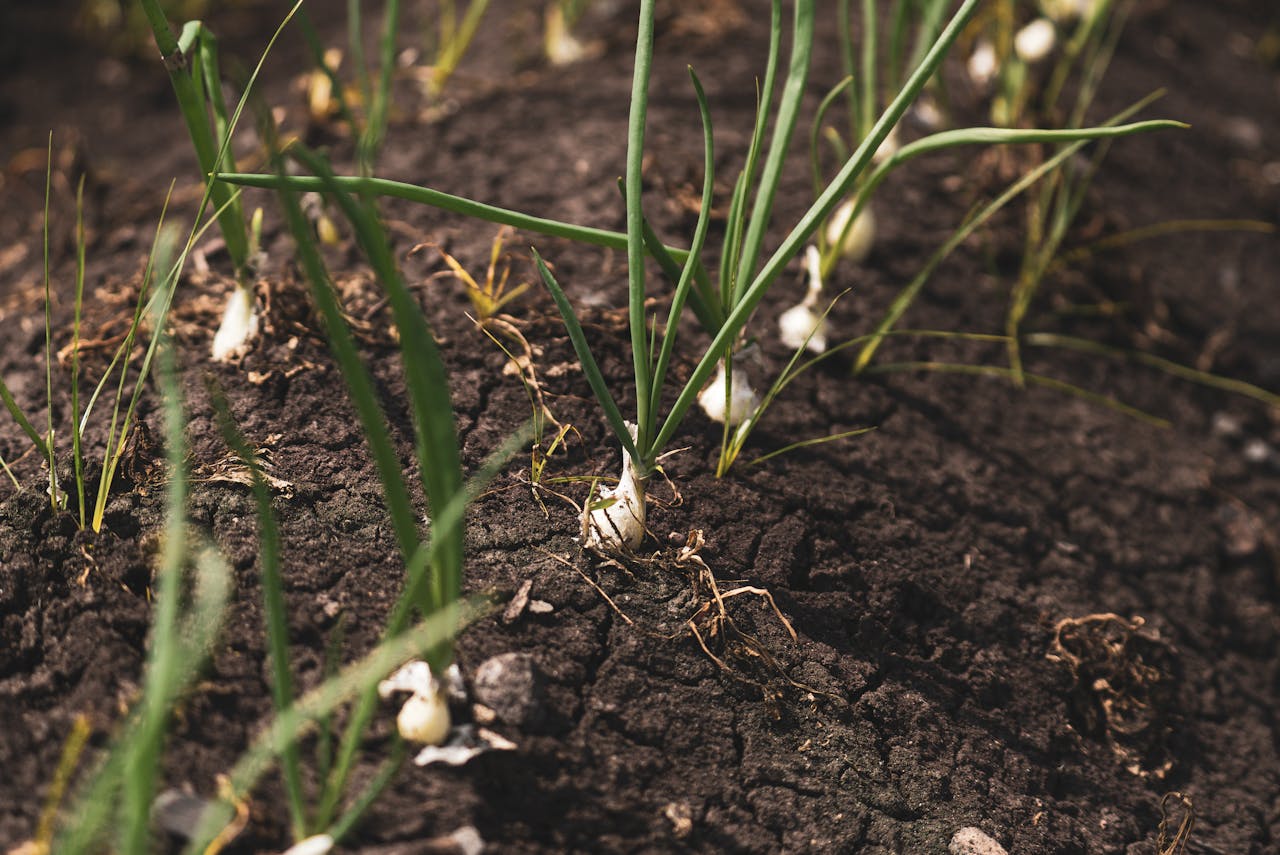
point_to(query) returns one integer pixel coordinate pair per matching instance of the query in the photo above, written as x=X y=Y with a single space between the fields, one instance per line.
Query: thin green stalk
x=362 y=186
x=42 y=448
x=635 y=230
x=164 y=661
x=870 y=49
x=595 y=378
x=376 y=128
x=374 y=789
x=210 y=157
x=455 y=43
x=273 y=603
x=48 y=340
x=1161 y=229
x=77 y=453
x=158 y=306
x=332 y=665
x=899 y=19
x=684 y=283
x=779 y=146
x=731 y=255
x=815 y=135
x=808 y=443
x=9 y=472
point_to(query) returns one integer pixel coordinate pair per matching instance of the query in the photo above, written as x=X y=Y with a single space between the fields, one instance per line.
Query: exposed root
x=1177 y=844
x=237 y=824
x=711 y=622
x=1127 y=700
x=593 y=583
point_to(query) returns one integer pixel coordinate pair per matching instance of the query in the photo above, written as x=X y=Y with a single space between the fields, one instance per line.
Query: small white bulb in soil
x=742 y=403
x=802 y=325
x=424 y=718
x=1035 y=41
x=928 y=113
x=239 y=325
x=615 y=516
x=558 y=43
x=982 y=65
x=888 y=147
x=855 y=242
x=317 y=844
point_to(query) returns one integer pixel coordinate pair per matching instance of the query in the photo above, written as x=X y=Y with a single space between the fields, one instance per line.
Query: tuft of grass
x=117 y=800
x=146 y=324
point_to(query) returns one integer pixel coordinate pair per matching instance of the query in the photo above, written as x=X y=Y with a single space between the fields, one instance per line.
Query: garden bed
x=946 y=574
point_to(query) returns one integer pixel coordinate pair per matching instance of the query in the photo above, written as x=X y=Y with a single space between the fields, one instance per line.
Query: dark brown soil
x=927 y=567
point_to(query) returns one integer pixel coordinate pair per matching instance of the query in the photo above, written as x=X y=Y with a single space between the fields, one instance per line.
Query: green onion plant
x=746 y=271
x=431 y=586
x=559 y=44
x=1094 y=28
x=191 y=59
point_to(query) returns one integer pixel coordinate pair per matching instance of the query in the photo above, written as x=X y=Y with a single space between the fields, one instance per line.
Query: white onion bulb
x=1035 y=41
x=616 y=523
x=802 y=325
x=239 y=325
x=856 y=244
x=424 y=718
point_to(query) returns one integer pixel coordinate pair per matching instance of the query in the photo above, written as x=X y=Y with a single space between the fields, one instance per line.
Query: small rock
x=1226 y=425
x=468 y=840
x=179 y=813
x=1257 y=451
x=973 y=841
x=518 y=603
x=511 y=686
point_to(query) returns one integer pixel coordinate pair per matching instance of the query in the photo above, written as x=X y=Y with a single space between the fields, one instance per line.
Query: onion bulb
x=802 y=325
x=614 y=521
x=558 y=43
x=855 y=241
x=982 y=65
x=743 y=399
x=424 y=718
x=239 y=325
x=1035 y=41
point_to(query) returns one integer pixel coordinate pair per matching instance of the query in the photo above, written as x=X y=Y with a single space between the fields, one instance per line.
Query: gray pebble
x=973 y=841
